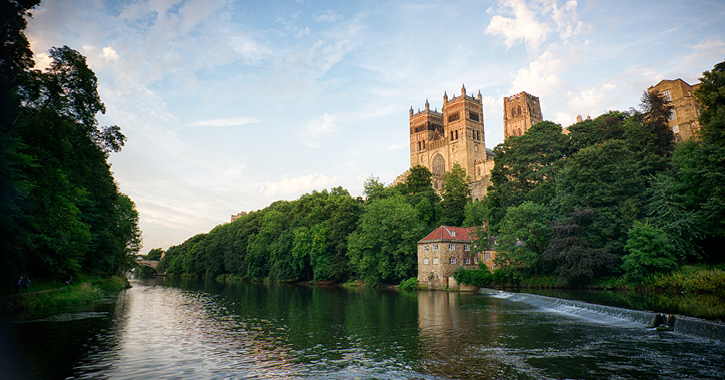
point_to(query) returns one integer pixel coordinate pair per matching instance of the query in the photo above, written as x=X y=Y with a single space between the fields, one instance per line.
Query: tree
x=648 y=251
x=526 y=168
x=154 y=254
x=456 y=194
x=383 y=248
x=523 y=237
x=656 y=114
x=419 y=180
x=605 y=178
x=569 y=250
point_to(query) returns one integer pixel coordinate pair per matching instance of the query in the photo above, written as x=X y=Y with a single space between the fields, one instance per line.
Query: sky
x=229 y=106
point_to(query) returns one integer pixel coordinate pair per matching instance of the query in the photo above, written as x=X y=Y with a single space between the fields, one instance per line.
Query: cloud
x=523 y=26
x=317 y=129
x=231 y=122
x=329 y=16
x=296 y=185
x=541 y=77
x=533 y=21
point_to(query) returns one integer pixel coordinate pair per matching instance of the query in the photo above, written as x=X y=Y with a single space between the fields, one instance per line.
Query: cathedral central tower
x=455 y=135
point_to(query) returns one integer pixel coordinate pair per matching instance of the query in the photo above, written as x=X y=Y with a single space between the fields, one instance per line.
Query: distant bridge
x=148 y=263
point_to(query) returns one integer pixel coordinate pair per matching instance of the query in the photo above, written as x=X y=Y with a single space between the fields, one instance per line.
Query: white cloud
x=522 y=26
x=231 y=122
x=532 y=22
x=329 y=16
x=317 y=129
x=541 y=77
x=297 y=185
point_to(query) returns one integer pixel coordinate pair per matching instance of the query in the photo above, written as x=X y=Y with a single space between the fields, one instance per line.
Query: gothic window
x=453 y=117
x=518 y=111
x=473 y=116
x=513 y=111
x=418 y=145
x=451 y=135
x=479 y=171
x=423 y=144
x=456 y=135
x=439 y=165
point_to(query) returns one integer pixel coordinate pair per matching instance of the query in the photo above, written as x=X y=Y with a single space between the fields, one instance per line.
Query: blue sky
x=229 y=106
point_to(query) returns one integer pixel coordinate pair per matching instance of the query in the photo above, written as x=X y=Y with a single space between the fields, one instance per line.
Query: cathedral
x=438 y=140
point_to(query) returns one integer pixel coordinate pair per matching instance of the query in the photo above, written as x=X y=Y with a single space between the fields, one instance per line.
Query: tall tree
x=523 y=237
x=456 y=195
x=383 y=249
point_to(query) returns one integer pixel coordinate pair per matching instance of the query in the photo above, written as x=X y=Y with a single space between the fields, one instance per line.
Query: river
x=191 y=329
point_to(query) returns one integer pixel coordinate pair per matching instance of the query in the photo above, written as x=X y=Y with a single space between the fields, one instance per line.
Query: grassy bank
x=85 y=290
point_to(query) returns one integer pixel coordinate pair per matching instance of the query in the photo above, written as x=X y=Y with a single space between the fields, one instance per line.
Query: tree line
x=614 y=196
x=61 y=211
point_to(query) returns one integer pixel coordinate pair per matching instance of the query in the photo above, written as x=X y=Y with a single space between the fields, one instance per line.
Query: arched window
x=418 y=145
x=456 y=134
x=518 y=111
x=439 y=165
x=513 y=111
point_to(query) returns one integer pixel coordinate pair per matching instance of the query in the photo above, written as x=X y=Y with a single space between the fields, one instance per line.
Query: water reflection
x=169 y=328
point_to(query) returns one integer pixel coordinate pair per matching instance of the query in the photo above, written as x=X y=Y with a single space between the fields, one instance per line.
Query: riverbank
x=85 y=289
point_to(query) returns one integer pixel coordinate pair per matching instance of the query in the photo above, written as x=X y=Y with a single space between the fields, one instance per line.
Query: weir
x=601 y=313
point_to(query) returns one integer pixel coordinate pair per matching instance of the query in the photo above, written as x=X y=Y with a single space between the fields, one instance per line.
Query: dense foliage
x=613 y=196
x=62 y=213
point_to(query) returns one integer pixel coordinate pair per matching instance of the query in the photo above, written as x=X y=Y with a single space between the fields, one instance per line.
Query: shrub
x=409 y=284
x=649 y=251
x=476 y=277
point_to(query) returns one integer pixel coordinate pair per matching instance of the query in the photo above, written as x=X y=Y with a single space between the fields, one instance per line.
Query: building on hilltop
x=241 y=214
x=443 y=251
x=438 y=140
x=683 y=118
x=520 y=112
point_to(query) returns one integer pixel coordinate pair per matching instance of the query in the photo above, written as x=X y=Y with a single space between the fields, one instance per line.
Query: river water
x=189 y=329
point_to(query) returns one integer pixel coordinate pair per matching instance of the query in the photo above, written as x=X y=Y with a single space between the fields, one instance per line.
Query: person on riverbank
x=18 y=285
x=26 y=285
x=70 y=281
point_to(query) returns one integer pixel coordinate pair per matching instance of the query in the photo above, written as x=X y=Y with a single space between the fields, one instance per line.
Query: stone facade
x=443 y=251
x=241 y=214
x=520 y=112
x=683 y=119
x=438 y=140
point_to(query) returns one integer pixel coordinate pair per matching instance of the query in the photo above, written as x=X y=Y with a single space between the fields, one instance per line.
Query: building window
x=675 y=129
x=425 y=248
x=451 y=260
x=435 y=247
x=435 y=260
x=451 y=247
x=473 y=116
x=466 y=247
x=453 y=117
x=467 y=261
x=456 y=134
x=425 y=261
x=475 y=260
x=673 y=115
x=487 y=256
x=666 y=95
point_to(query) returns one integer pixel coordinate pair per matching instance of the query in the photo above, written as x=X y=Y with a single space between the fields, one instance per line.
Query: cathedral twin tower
x=438 y=140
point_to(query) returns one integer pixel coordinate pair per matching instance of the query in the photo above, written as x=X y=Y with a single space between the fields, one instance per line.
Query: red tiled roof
x=448 y=233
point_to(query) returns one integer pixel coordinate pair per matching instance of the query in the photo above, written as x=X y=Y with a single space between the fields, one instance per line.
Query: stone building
x=520 y=112
x=438 y=140
x=440 y=253
x=683 y=119
x=241 y=214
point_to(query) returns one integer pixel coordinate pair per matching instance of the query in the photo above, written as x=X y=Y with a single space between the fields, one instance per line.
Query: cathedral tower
x=520 y=112
x=455 y=135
